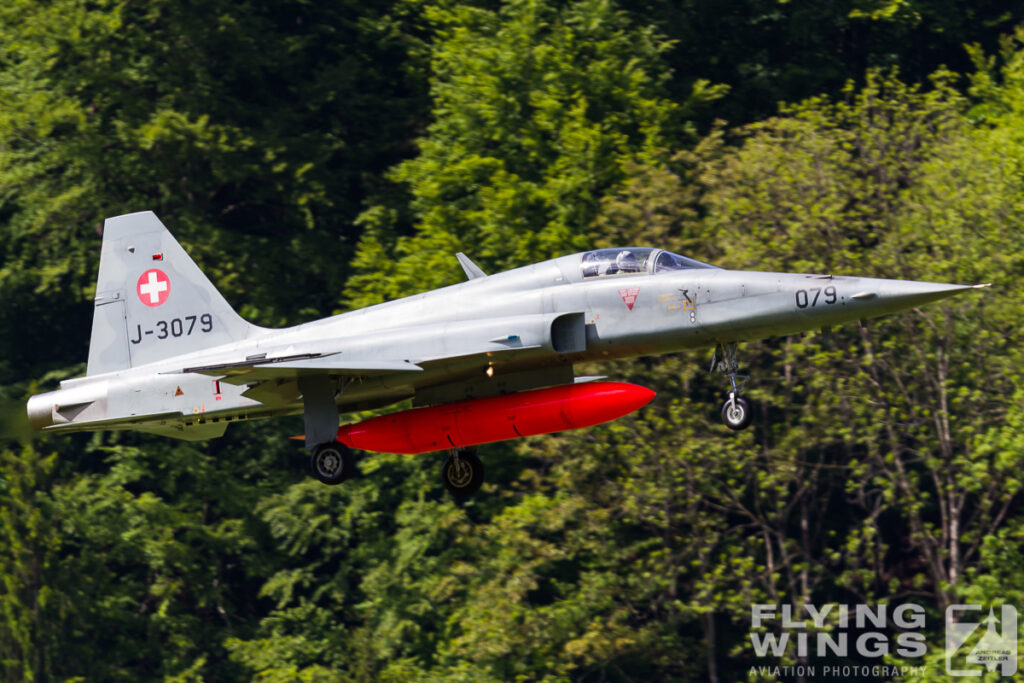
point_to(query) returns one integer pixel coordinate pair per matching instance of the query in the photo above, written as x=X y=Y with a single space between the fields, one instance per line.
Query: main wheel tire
x=737 y=415
x=332 y=463
x=463 y=476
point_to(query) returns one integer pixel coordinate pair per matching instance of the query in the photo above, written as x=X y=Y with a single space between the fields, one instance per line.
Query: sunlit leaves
x=538 y=111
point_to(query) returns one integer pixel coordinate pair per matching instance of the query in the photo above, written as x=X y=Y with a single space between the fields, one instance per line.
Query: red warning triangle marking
x=629 y=296
x=179 y=392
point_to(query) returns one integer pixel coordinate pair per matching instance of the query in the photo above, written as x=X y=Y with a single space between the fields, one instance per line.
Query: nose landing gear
x=736 y=412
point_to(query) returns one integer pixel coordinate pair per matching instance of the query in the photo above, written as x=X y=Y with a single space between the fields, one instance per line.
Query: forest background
x=315 y=157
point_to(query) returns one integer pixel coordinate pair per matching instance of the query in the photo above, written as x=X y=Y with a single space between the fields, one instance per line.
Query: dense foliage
x=317 y=157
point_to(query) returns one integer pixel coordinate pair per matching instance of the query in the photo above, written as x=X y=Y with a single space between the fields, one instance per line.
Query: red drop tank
x=483 y=420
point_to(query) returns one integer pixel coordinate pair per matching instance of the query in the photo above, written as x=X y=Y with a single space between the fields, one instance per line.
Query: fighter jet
x=488 y=359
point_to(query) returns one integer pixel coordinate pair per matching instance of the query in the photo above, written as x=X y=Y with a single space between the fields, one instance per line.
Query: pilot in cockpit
x=627 y=262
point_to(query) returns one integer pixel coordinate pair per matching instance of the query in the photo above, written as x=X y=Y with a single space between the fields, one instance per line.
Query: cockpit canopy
x=626 y=260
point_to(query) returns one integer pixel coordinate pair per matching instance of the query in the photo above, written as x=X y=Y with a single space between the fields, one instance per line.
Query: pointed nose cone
x=889 y=296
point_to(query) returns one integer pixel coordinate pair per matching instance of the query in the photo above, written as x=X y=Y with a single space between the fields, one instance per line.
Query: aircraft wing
x=292 y=367
x=400 y=358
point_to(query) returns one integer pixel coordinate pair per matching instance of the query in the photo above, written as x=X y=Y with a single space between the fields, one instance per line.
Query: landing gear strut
x=332 y=462
x=736 y=412
x=462 y=472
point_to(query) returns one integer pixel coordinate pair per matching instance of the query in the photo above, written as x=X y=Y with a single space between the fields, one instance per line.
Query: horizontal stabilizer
x=192 y=432
x=124 y=422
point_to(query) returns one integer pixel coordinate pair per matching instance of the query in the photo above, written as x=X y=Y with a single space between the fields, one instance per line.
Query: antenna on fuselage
x=472 y=270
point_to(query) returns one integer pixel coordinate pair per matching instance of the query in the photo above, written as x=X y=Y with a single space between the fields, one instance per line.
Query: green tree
x=255 y=130
x=537 y=111
x=882 y=463
x=771 y=51
x=892 y=182
x=29 y=603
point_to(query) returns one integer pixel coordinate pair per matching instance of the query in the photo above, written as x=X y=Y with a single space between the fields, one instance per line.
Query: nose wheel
x=736 y=412
x=332 y=462
x=462 y=472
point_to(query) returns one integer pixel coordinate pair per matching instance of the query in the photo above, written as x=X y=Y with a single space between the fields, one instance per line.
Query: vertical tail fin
x=152 y=301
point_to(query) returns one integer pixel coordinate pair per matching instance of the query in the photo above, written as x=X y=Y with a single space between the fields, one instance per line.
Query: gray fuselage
x=510 y=331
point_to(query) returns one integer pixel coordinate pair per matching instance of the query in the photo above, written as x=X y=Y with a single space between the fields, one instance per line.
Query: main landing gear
x=736 y=412
x=462 y=472
x=332 y=462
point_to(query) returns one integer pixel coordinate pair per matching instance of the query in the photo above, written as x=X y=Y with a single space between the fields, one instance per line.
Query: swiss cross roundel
x=153 y=287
